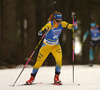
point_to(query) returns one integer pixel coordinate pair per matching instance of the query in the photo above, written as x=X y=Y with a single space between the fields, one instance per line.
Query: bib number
x=55 y=36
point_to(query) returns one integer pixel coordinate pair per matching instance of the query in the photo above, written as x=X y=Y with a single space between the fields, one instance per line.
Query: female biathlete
x=94 y=30
x=51 y=44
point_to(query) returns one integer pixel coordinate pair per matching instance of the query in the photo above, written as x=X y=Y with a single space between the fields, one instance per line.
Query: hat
x=93 y=24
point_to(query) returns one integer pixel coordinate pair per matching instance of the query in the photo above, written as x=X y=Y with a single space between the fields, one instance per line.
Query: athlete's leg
x=91 y=55
x=57 y=53
x=42 y=55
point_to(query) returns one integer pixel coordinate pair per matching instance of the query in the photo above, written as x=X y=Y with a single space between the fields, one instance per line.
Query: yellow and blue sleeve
x=47 y=26
x=67 y=25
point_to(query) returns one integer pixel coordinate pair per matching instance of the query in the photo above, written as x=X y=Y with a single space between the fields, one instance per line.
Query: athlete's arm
x=68 y=26
x=44 y=29
x=85 y=35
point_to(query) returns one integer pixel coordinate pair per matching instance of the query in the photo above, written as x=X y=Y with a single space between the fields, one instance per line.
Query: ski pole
x=73 y=45
x=29 y=58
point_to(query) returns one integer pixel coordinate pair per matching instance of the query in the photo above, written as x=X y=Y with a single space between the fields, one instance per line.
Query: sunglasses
x=58 y=20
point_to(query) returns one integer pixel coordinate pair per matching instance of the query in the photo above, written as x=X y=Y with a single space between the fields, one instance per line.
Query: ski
x=40 y=83
x=57 y=83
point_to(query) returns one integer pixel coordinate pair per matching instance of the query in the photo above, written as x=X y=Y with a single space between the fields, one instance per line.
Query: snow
x=87 y=77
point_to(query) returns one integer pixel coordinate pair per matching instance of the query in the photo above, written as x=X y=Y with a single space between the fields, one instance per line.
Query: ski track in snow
x=87 y=77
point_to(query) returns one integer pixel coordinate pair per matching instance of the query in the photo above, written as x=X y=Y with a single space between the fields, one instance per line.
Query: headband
x=57 y=16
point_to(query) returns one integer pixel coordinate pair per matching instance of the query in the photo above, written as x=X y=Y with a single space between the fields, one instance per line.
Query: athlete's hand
x=44 y=31
x=40 y=33
x=73 y=14
x=82 y=43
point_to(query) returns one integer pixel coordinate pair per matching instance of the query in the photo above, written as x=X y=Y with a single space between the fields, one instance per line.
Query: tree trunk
x=9 y=31
x=0 y=27
x=31 y=27
x=22 y=31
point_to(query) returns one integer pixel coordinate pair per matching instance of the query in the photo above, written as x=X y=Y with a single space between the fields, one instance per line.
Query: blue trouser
x=91 y=54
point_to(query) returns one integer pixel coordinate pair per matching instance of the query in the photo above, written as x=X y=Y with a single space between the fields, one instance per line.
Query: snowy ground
x=87 y=77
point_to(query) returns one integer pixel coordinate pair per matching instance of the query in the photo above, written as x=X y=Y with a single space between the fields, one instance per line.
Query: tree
x=0 y=28
x=9 y=31
x=21 y=27
x=30 y=16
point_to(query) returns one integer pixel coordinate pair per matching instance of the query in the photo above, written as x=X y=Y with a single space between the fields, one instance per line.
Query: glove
x=73 y=14
x=82 y=43
x=44 y=31
x=73 y=26
x=40 y=33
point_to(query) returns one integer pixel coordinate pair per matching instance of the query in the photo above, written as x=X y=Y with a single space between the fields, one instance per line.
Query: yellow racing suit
x=51 y=45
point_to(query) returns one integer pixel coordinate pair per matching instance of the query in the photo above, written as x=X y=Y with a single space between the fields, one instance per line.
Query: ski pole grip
x=73 y=15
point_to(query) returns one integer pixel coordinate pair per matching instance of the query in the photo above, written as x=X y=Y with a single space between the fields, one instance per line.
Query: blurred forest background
x=20 y=21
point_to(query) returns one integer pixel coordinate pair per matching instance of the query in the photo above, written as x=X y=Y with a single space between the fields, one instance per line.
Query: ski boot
x=29 y=82
x=91 y=64
x=56 y=79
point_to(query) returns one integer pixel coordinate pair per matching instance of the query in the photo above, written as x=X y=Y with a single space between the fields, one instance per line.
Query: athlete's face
x=93 y=28
x=57 y=21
